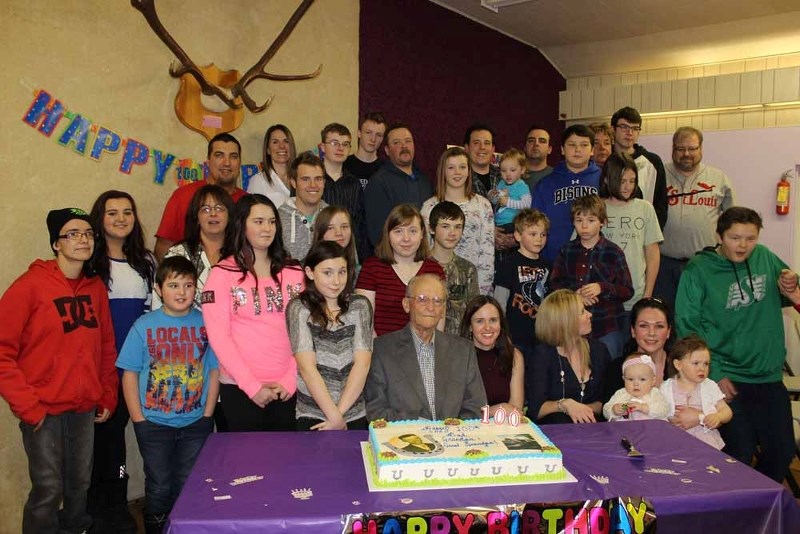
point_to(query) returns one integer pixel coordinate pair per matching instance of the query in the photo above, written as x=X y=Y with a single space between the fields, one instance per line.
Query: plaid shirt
x=494 y=178
x=425 y=357
x=605 y=264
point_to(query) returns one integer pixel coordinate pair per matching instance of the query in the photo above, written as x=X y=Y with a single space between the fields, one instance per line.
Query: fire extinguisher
x=784 y=192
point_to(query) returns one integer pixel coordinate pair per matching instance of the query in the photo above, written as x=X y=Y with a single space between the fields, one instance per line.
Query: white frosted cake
x=419 y=453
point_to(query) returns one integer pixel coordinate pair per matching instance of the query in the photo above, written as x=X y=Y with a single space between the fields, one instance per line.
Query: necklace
x=581 y=383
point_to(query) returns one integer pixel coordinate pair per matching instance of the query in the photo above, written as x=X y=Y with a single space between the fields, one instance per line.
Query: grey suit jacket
x=394 y=390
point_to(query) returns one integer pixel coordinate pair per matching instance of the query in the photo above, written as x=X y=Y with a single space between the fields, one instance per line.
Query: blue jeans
x=60 y=467
x=169 y=455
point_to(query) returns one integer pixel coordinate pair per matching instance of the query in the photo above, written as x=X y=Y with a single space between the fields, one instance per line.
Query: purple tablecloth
x=329 y=464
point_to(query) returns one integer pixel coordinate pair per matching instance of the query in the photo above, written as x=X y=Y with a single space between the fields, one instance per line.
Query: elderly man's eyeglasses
x=424 y=300
x=216 y=208
x=76 y=235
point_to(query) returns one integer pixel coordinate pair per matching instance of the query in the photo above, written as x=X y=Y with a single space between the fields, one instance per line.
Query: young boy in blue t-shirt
x=170 y=383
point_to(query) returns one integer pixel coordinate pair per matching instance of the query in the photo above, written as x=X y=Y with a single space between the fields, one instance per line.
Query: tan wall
x=102 y=60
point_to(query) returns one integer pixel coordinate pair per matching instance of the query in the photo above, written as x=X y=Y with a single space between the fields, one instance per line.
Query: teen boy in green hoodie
x=730 y=295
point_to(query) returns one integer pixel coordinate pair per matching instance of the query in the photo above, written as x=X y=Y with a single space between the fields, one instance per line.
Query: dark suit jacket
x=394 y=389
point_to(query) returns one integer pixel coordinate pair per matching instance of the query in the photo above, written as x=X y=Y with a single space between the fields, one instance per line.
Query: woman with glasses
x=651 y=331
x=207 y=234
x=567 y=369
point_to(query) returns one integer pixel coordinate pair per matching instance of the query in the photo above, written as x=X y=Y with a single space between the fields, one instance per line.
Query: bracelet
x=560 y=404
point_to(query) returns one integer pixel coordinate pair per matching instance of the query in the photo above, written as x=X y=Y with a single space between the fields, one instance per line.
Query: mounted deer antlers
x=187 y=66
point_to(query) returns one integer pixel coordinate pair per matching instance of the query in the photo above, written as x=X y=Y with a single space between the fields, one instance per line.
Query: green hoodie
x=736 y=308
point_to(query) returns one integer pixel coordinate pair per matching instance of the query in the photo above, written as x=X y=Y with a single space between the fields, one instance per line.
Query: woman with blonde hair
x=567 y=369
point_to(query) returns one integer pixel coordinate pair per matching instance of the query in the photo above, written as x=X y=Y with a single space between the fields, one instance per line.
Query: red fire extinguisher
x=784 y=192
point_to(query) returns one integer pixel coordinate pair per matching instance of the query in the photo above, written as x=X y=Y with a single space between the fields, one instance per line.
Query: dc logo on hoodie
x=76 y=312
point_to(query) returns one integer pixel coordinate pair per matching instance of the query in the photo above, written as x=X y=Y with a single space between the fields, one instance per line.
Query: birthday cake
x=453 y=451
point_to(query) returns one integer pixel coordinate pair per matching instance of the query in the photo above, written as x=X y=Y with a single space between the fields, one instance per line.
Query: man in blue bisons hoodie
x=731 y=296
x=575 y=177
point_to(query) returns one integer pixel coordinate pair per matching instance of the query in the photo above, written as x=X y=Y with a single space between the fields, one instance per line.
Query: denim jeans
x=60 y=467
x=169 y=455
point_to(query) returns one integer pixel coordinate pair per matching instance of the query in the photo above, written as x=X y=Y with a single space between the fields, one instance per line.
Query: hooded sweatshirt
x=554 y=196
x=652 y=181
x=736 y=309
x=57 y=347
x=297 y=228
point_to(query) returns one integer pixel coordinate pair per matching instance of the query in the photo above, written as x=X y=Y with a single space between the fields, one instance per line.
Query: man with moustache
x=398 y=181
x=224 y=161
x=697 y=195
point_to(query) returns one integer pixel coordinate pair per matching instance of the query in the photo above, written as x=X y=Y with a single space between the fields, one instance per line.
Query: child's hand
x=620 y=409
x=711 y=421
x=639 y=407
x=493 y=195
x=338 y=424
x=589 y=291
x=280 y=392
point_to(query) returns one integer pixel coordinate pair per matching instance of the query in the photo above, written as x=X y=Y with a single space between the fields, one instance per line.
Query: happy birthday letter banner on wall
x=46 y=112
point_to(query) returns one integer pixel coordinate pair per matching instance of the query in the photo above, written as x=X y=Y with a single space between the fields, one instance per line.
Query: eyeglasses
x=76 y=235
x=424 y=300
x=686 y=149
x=336 y=144
x=216 y=208
x=628 y=128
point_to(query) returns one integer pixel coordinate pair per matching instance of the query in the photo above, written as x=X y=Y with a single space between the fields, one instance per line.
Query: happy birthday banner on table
x=623 y=515
x=85 y=136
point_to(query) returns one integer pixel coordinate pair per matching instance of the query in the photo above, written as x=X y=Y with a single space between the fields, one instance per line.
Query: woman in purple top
x=501 y=365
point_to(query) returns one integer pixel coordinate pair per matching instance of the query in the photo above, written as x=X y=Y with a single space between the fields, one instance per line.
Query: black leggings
x=243 y=415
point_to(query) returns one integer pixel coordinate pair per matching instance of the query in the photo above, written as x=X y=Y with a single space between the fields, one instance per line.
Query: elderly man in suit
x=419 y=373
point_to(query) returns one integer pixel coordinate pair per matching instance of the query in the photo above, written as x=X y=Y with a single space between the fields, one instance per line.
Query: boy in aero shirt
x=170 y=386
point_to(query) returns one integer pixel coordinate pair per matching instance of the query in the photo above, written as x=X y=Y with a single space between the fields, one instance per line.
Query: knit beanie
x=56 y=220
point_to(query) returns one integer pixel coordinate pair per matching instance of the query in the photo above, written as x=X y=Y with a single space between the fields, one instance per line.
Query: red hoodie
x=57 y=347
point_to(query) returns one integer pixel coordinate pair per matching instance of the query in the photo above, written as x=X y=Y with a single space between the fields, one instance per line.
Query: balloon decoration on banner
x=228 y=86
x=88 y=138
